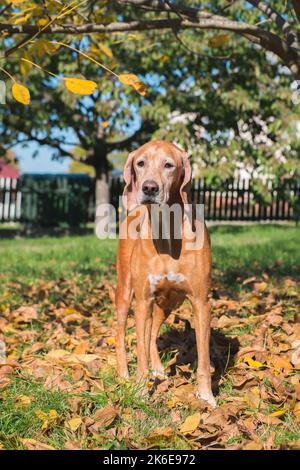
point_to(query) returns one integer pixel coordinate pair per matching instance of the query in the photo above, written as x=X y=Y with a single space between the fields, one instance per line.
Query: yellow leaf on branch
x=42 y=22
x=23 y=19
x=80 y=86
x=21 y=93
x=105 y=49
x=219 y=40
x=133 y=81
x=25 y=65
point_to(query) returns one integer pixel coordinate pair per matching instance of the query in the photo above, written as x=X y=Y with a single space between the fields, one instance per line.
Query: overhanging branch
x=202 y=20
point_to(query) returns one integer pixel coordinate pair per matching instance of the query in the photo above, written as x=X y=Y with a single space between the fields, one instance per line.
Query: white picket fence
x=10 y=200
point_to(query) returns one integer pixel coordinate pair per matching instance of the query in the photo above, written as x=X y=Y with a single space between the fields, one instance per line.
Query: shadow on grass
x=222 y=350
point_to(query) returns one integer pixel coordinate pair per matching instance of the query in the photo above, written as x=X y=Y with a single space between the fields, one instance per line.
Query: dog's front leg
x=122 y=312
x=143 y=321
x=202 y=327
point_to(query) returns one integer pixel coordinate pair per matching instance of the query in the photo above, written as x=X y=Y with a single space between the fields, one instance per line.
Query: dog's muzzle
x=150 y=192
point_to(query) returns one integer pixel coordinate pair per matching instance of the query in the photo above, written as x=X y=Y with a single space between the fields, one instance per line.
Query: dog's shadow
x=222 y=350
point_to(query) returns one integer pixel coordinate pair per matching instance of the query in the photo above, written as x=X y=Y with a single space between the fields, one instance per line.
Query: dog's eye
x=140 y=163
x=168 y=165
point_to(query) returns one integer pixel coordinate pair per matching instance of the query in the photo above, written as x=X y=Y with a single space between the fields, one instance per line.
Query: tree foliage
x=25 y=25
x=213 y=92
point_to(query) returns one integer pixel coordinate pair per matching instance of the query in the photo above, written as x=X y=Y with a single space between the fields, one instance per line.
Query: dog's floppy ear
x=129 y=193
x=186 y=181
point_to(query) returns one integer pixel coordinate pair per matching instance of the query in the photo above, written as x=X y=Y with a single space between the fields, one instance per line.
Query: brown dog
x=161 y=273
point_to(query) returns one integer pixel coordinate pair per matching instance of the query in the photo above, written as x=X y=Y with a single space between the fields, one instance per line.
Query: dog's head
x=157 y=173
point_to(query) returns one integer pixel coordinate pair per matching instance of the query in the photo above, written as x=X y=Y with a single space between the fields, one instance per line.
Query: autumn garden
x=90 y=81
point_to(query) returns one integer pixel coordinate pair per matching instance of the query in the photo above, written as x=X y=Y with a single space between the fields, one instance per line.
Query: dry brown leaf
x=25 y=314
x=190 y=424
x=70 y=445
x=296 y=411
x=260 y=286
x=103 y=418
x=294 y=445
x=279 y=363
x=33 y=444
x=160 y=434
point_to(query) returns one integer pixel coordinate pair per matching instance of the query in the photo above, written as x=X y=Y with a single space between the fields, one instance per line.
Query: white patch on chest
x=154 y=279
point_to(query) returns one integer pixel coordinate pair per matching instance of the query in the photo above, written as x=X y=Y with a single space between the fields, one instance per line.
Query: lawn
x=57 y=360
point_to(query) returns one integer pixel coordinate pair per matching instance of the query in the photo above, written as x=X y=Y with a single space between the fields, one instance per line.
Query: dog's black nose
x=150 y=188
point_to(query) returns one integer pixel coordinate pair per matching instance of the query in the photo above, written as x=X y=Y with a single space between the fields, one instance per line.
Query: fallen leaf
x=252 y=363
x=73 y=424
x=103 y=418
x=279 y=413
x=260 y=286
x=24 y=400
x=190 y=424
x=252 y=446
x=33 y=444
x=296 y=411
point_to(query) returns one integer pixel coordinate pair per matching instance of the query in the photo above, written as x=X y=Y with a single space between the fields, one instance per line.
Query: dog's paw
x=207 y=396
x=123 y=375
x=160 y=374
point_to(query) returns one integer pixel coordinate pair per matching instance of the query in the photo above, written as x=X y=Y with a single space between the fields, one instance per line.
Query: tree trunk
x=102 y=188
x=102 y=193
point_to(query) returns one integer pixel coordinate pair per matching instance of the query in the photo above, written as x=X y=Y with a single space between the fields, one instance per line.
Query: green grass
x=17 y=421
x=249 y=250
x=245 y=250
x=238 y=252
x=30 y=259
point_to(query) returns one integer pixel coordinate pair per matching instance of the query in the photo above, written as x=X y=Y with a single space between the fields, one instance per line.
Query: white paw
x=160 y=374
x=207 y=396
x=123 y=376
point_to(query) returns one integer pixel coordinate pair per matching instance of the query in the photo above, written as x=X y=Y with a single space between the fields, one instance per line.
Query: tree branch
x=5 y=8
x=160 y=5
x=283 y=24
x=146 y=127
x=51 y=143
x=202 y=20
x=296 y=6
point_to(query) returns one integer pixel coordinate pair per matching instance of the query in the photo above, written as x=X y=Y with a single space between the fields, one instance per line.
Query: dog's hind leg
x=202 y=327
x=158 y=319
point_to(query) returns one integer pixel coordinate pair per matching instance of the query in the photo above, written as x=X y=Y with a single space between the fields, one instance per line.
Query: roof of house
x=7 y=170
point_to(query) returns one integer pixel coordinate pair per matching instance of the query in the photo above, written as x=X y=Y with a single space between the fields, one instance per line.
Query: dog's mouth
x=149 y=200
x=152 y=199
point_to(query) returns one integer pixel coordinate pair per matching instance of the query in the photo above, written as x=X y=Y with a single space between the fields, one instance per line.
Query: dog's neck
x=166 y=228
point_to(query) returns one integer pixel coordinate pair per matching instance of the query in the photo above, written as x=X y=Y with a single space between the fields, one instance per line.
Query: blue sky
x=43 y=163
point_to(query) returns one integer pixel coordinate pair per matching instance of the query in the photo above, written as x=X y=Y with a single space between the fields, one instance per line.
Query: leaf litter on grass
x=60 y=335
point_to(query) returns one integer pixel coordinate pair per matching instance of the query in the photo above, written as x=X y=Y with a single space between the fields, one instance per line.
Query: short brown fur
x=140 y=260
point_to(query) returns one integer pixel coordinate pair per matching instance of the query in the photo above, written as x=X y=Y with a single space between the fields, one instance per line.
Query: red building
x=7 y=170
